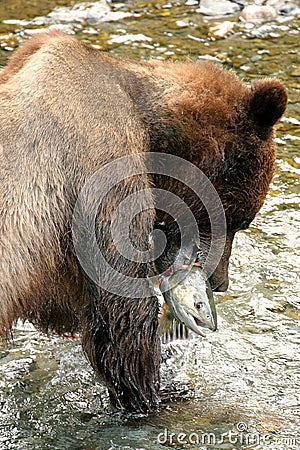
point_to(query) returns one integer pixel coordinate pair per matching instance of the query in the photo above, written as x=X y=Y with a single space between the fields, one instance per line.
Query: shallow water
x=239 y=387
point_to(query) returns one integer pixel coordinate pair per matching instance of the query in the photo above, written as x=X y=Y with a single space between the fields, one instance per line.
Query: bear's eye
x=244 y=225
x=246 y=222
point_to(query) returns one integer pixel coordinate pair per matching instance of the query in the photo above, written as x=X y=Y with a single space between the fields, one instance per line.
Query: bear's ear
x=268 y=101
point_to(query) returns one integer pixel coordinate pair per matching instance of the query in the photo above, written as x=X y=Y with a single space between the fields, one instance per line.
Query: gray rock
x=218 y=7
x=258 y=14
x=241 y=3
x=86 y=12
x=285 y=7
x=82 y=12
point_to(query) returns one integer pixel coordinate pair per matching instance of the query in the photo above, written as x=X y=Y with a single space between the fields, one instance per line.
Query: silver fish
x=189 y=299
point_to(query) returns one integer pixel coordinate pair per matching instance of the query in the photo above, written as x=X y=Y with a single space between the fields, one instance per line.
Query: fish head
x=190 y=299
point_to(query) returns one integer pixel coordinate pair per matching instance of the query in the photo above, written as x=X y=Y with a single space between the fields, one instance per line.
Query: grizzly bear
x=66 y=111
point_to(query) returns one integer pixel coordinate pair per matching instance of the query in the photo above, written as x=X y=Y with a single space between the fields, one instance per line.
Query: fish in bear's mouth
x=188 y=298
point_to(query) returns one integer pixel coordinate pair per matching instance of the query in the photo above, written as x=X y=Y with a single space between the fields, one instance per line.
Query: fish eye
x=198 y=305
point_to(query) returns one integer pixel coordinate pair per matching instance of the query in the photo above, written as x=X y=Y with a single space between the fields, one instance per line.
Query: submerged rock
x=127 y=38
x=220 y=30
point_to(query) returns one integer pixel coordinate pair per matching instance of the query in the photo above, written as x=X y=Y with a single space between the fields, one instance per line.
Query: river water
x=239 y=388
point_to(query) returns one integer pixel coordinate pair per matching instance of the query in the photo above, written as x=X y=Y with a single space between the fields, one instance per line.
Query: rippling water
x=239 y=387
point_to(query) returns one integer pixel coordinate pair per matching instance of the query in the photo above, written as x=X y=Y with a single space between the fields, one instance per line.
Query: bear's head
x=225 y=128
x=244 y=180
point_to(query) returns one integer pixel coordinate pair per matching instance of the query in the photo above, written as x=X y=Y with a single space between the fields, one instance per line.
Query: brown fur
x=65 y=111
